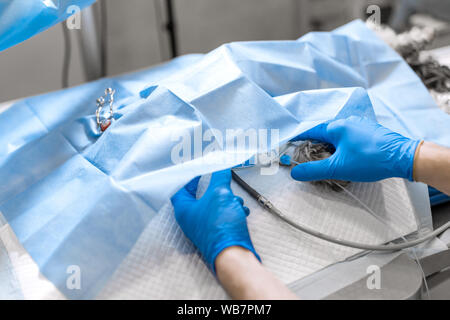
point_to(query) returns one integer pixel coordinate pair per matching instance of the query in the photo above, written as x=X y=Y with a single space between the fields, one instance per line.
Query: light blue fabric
x=22 y=19
x=76 y=197
x=437 y=197
x=399 y=98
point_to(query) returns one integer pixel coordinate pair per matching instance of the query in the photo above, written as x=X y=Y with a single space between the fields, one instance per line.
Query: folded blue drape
x=20 y=20
x=77 y=197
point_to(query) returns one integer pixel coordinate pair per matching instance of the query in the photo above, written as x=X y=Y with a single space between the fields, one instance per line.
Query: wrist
x=431 y=165
x=233 y=263
x=404 y=163
x=244 y=277
x=234 y=256
x=416 y=161
x=230 y=250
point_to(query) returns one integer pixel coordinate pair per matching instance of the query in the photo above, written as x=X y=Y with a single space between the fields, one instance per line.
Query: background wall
x=35 y=66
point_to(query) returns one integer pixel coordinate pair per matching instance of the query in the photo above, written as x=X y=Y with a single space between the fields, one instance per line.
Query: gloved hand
x=216 y=221
x=365 y=151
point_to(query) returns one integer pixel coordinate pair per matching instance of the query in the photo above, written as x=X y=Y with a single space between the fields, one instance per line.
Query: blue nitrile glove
x=217 y=220
x=365 y=151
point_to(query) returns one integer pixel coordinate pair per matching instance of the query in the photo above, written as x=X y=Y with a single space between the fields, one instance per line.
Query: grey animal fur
x=309 y=151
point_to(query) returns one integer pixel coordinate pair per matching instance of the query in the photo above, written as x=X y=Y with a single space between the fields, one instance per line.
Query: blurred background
x=137 y=34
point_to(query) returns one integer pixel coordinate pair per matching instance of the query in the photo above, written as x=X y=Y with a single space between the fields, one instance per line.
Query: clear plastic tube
x=413 y=249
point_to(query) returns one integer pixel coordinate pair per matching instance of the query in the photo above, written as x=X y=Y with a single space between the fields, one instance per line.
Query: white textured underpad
x=165 y=265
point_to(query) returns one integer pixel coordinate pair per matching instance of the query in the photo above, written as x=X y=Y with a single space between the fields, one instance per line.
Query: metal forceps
x=104 y=123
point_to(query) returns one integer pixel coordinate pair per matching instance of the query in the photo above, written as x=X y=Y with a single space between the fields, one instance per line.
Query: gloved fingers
x=180 y=198
x=186 y=194
x=318 y=132
x=313 y=170
x=220 y=179
x=192 y=186
x=241 y=201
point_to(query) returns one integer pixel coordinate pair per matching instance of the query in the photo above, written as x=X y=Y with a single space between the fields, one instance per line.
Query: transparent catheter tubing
x=413 y=249
x=389 y=247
